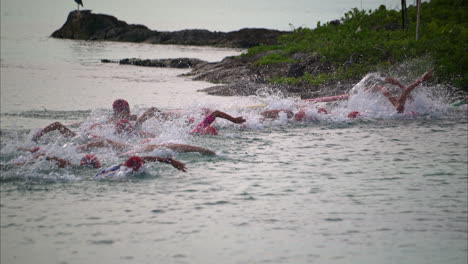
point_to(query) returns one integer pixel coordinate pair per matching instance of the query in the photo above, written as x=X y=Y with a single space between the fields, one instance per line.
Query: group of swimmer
x=126 y=124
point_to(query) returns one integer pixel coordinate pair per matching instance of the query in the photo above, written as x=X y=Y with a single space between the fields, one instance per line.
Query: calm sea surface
x=383 y=188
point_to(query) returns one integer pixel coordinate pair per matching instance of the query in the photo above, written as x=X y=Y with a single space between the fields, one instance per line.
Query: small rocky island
x=85 y=25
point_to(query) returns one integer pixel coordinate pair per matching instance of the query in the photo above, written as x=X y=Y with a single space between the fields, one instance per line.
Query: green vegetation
x=367 y=41
x=275 y=58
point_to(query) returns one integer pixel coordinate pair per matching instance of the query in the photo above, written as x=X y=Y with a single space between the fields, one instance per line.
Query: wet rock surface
x=181 y=63
x=86 y=25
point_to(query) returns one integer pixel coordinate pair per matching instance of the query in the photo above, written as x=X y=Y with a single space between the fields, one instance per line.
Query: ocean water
x=381 y=188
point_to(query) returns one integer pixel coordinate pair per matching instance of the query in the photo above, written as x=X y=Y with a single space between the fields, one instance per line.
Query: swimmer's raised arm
x=405 y=94
x=205 y=128
x=104 y=143
x=175 y=163
x=174 y=147
x=151 y=112
x=32 y=150
x=52 y=127
x=61 y=163
x=426 y=76
x=389 y=96
x=236 y=120
x=394 y=81
x=188 y=148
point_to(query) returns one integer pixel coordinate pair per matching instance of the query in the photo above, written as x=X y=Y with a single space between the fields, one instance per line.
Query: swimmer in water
x=103 y=143
x=174 y=147
x=56 y=126
x=121 y=110
x=134 y=164
x=399 y=102
x=205 y=128
x=122 y=127
x=86 y=161
x=302 y=115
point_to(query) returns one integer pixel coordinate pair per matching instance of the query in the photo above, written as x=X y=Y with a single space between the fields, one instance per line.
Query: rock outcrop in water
x=180 y=63
x=243 y=76
x=85 y=25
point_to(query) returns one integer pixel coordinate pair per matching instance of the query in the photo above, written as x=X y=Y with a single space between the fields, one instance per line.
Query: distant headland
x=85 y=25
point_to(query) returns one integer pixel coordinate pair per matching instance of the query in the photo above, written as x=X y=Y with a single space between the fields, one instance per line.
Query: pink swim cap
x=123 y=125
x=134 y=162
x=120 y=105
x=91 y=161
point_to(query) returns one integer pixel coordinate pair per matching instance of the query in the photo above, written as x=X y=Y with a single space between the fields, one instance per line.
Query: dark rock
x=296 y=70
x=88 y=26
x=241 y=76
x=164 y=63
x=85 y=25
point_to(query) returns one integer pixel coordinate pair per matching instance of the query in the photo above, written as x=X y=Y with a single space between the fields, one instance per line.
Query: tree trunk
x=418 y=15
x=404 y=15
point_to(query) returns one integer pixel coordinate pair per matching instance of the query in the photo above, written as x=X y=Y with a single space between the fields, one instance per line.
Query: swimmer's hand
x=238 y=120
x=178 y=165
x=37 y=136
x=151 y=112
x=427 y=75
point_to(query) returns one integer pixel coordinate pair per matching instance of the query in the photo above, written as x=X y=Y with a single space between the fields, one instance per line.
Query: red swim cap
x=210 y=131
x=123 y=125
x=34 y=150
x=120 y=105
x=134 y=162
x=91 y=161
x=322 y=110
x=354 y=114
x=300 y=115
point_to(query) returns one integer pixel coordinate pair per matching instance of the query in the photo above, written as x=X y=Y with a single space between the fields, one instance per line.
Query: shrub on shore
x=364 y=41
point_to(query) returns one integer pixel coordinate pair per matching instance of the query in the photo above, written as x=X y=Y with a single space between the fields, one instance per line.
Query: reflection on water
x=359 y=192
x=73 y=78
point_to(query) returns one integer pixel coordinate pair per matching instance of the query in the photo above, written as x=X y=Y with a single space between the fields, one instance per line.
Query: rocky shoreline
x=234 y=76
x=241 y=76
